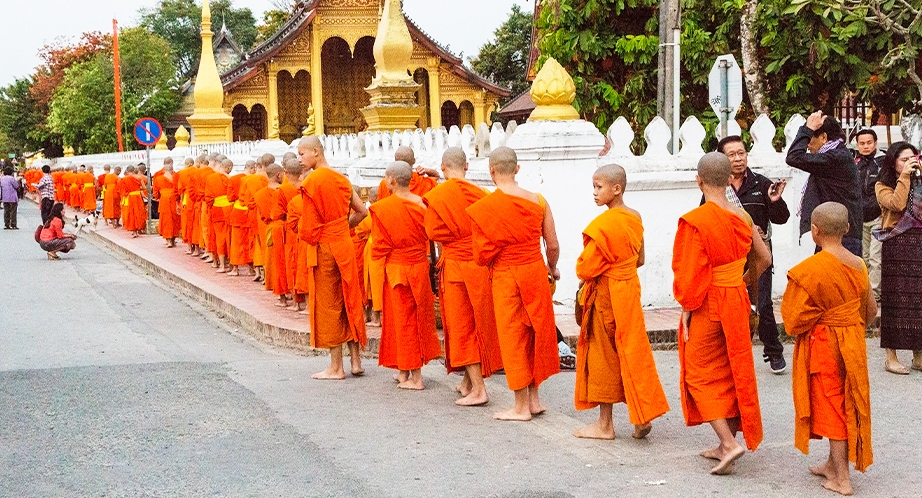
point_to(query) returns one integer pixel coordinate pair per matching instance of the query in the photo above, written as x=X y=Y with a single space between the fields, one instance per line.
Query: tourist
x=45 y=188
x=614 y=358
x=899 y=192
x=819 y=149
x=9 y=195
x=868 y=158
x=827 y=305
x=713 y=244
x=52 y=238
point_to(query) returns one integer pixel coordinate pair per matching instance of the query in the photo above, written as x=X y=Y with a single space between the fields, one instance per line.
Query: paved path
x=111 y=385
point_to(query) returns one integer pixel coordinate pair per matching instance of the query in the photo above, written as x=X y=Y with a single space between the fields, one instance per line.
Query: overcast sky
x=29 y=24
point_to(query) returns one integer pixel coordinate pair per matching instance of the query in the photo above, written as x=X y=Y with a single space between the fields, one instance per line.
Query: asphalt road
x=111 y=385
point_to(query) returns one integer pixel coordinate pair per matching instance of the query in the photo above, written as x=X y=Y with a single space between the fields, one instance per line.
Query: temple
x=316 y=68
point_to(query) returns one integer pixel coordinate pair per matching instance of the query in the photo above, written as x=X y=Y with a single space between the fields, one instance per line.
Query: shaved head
x=265 y=160
x=292 y=166
x=288 y=155
x=714 y=169
x=249 y=167
x=228 y=165
x=405 y=154
x=310 y=143
x=503 y=160
x=454 y=159
x=401 y=172
x=831 y=219
x=612 y=174
x=273 y=170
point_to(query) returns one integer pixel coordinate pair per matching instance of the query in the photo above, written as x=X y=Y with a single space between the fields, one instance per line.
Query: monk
x=465 y=294
x=59 y=189
x=207 y=204
x=216 y=194
x=100 y=180
x=423 y=178
x=296 y=262
x=191 y=205
x=111 y=202
x=330 y=209
x=507 y=228
x=360 y=237
x=408 y=337
x=717 y=375
x=285 y=277
x=826 y=306
x=258 y=228
x=89 y=191
x=164 y=191
x=238 y=222
x=371 y=276
x=134 y=210
x=267 y=200
x=614 y=358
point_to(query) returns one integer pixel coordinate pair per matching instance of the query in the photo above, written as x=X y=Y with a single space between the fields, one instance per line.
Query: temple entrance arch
x=249 y=125
x=294 y=100
x=465 y=114
x=345 y=75
x=421 y=76
x=450 y=116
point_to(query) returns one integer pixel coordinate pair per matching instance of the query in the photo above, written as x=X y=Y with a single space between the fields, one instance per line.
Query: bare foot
x=303 y=312
x=843 y=487
x=512 y=415
x=641 y=431
x=282 y=304
x=221 y=270
x=473 y=400
x=400 y=377
x=233 y=273
x=413 y=384
x=293 y=308
x=594 y=431
x=725 y=467
x=821 y=470
x=536 y=408
x=711 y=454
x=357 y=369
x=463 y=388
x=329 y=374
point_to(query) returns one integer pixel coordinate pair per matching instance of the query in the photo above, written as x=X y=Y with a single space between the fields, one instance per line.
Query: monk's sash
x=519 y=254
x=166 y=191
x=185 y=199
x=88 y=185
x=728 y=275
x=411 y=255
x=334 y=231
x=221 y=201
x=624 y=270
x=459 y=249
x=241 y=206
x=844 y=315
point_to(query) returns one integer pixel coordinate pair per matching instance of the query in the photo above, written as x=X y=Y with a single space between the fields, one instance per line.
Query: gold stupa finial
x=182 y=137
x=553 y=92
x=210 y=123
x=393 y=45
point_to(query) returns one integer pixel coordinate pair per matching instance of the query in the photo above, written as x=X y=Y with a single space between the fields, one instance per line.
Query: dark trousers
x=45 y=206
x=9 y=214
x=768 y=328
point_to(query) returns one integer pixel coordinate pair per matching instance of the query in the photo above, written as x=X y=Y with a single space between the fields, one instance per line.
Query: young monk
x=164 y=190
x=423 y=180
x=614 y=359
x=111 y=207
x=826 y=306
x=297 y=258
x=717 y=374
x=134 y=210
x=288 y=265
x=507 y=228
x=238 y=222
x=257 y=226
x=267 y=201
x=89 y=191
x=334 y=299
x=466 y=298
x=216 y=194
x=408 y=337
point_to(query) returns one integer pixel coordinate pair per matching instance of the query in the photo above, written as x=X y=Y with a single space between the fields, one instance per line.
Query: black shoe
x=777 y=364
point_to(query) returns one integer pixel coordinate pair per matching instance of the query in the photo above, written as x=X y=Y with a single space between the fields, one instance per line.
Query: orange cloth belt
x=729 y=275
x=166 y=191
x=185 y=199
x=626 y=270
x=844 y=315
x=460 y=250
x=334 y=230
x=518 y=254
x=411 y=255
x=221 y=201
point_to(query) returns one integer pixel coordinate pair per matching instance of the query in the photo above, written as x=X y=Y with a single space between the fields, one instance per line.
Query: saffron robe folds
x=614 y=359
x=111 y=201
x=267 y=201
x=165 y=191
x=134 y=211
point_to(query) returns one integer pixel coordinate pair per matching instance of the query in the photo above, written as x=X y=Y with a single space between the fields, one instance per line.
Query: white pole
x=676 y=53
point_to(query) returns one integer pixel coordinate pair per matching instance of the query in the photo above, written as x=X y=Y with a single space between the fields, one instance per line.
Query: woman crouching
x=52 y=238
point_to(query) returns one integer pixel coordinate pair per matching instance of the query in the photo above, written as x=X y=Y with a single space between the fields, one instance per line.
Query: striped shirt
x=45 y=186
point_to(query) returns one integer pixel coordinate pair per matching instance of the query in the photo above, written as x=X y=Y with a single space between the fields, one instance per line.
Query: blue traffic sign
x=147 y=131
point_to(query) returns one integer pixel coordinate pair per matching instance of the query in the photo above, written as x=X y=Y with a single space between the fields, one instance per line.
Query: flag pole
x=118 y=86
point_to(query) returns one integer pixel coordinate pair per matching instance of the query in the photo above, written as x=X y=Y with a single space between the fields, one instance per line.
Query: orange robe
x=134 y=211
x=419 y=185
x=465 y=294
x=267 y=201
x=288 y=245
x=372 y=270
x=185 y=188
x=717 y=375
x=824 y=307
x=70 y=188
x=88 y=186
x=258 y=228
x=360 y=242
x=59 y=190
x=408 y=337
x=614 y=360
x=203 y=210
x=216 y=197
x=165 y=193
x=334 y=295
x=238 y=219
x=296 y=257
x=506 y=234
x=111 y=201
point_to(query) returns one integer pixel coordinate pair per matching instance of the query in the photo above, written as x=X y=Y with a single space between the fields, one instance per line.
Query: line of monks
x=303 y=230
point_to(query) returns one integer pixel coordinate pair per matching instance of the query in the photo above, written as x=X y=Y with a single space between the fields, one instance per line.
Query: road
x=111 y=385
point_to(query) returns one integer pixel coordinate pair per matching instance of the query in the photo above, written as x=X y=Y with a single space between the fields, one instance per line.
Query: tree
x=179 y=21
x=505 y=59
x=22 y=122
x=83 y=108
x=274 y=18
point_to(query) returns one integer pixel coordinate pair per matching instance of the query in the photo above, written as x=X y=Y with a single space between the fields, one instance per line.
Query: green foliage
x=505 y=59
x=272 y=21
x=178 y=21
x=20 y=119
x=83 y=108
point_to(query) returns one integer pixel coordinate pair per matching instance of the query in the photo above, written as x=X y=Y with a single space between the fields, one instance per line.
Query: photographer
x=867 y=159
x=899 y=193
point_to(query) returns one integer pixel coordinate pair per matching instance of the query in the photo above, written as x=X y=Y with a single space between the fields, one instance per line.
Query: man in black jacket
x=867 y=158
x=761 y=199
x=833 y=174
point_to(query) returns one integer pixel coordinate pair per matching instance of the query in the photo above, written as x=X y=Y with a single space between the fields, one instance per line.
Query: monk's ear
x=517 y=168
x=698 y=181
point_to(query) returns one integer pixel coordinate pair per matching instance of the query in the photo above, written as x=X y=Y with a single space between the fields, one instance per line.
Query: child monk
x=614 y=360
x=267 y=201
x=408 y=337
x=826 y=306
x=507 y=228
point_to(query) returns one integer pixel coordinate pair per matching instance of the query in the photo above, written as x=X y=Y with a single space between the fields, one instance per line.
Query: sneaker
x=777 y=364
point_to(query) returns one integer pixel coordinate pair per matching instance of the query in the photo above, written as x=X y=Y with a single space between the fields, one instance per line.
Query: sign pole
x=724 y=98
x=676 y=114
x=150 y=187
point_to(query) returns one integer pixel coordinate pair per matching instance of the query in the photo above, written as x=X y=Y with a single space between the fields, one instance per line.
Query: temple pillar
x=272 y=109
x=435 y=96
x=479 y=109
x=316 y=80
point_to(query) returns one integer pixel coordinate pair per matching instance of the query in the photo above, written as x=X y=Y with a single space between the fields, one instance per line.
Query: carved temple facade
x=317 y=66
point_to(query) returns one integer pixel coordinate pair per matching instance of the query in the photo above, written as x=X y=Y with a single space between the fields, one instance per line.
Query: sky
x=463 y=26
